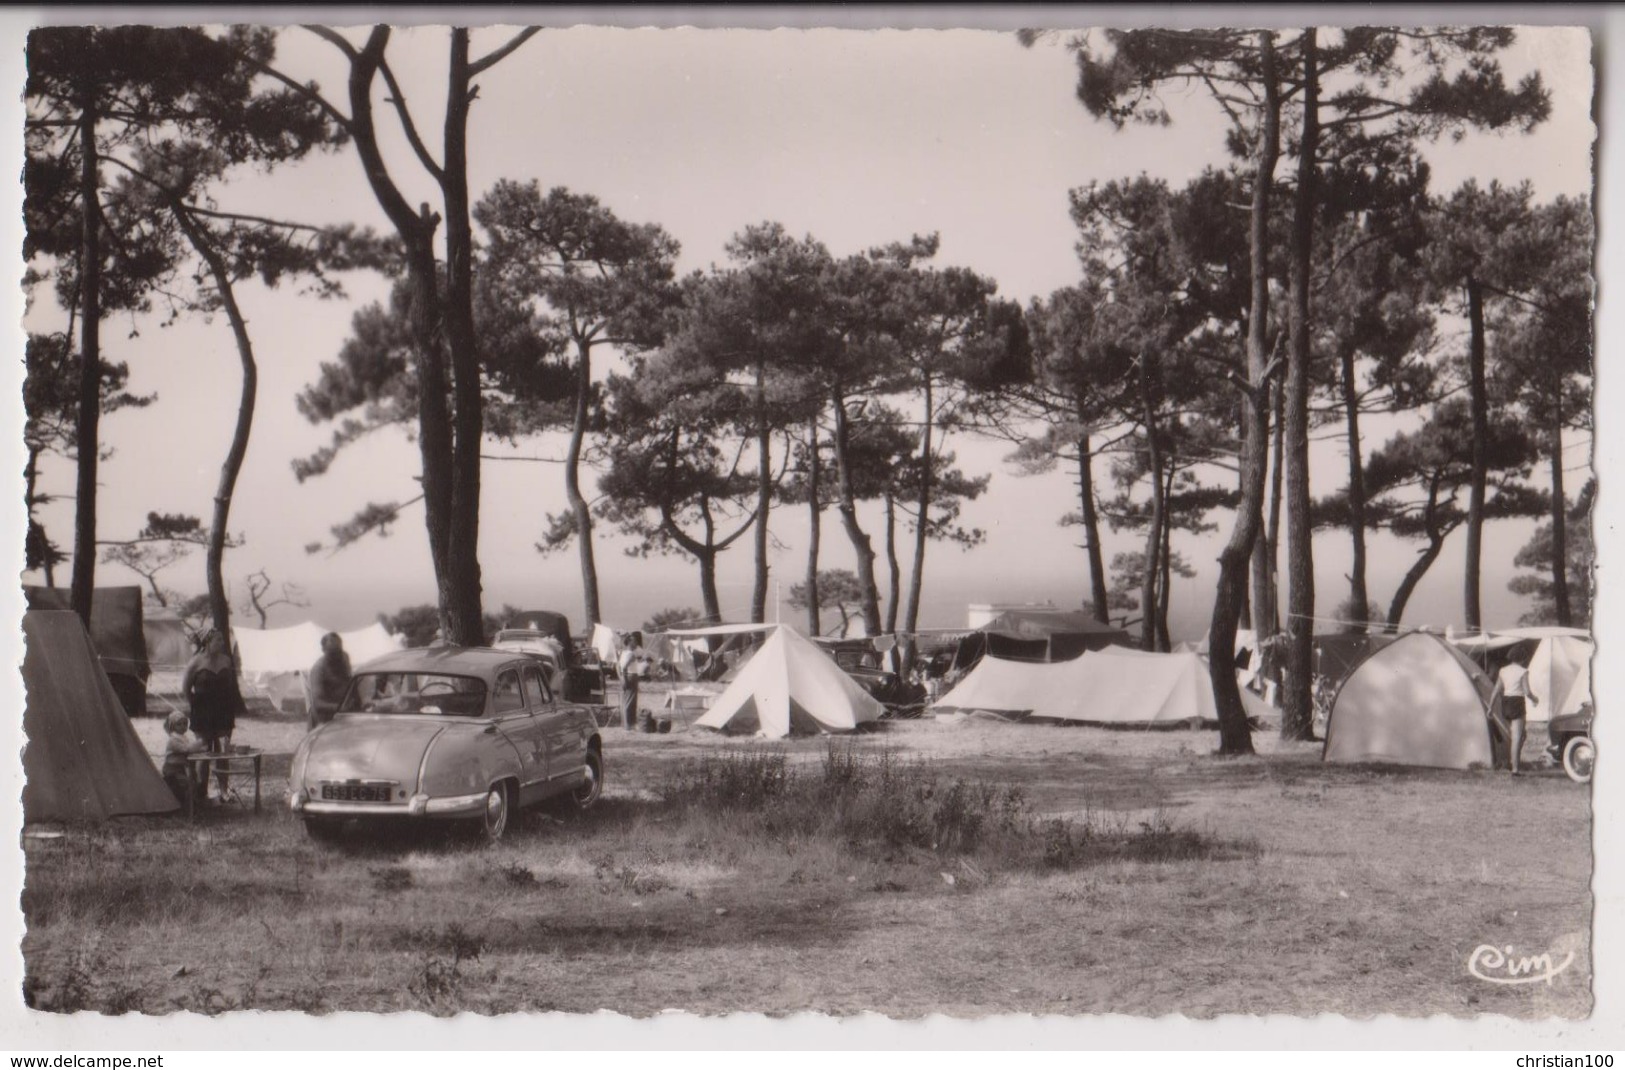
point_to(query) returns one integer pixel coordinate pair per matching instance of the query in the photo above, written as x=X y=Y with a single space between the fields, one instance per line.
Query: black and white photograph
x=880 y=514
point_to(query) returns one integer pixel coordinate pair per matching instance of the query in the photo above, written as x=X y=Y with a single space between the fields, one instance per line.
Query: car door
x=517 y=721
x=566 y=747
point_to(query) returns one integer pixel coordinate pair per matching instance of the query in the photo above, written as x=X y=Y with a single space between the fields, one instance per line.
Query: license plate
x=356 y=792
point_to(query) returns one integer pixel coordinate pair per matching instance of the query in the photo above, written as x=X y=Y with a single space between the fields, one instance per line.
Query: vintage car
x=1571 y=745
x=455 y=733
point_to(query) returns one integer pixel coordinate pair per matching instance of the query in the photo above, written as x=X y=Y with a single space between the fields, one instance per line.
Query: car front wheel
x=1579 y=756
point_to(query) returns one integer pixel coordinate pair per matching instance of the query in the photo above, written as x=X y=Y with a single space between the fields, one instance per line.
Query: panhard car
x=464 y=734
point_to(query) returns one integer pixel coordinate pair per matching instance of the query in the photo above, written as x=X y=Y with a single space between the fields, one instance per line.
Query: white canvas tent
x=1111 y=686
x=789 y=686
x=274 y=661
x=1416 y=701
x=1559 y=677
x=364 y=644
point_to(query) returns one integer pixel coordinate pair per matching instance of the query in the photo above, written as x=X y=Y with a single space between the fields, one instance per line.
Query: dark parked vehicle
x=1571 y=743
x=446 y=733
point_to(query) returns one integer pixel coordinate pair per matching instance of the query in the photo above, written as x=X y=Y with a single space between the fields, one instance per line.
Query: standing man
x=631 y=665
x=329 y=678
x=1514 y=707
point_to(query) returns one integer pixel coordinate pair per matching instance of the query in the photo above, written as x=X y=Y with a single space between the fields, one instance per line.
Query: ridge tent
x=83 y=760
x=790 y=687
x=115 y=633
x=1559 y=677
x=1416 y=701
x=1111 y=686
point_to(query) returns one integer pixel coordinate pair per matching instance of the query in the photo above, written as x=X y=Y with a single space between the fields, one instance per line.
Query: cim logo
x=1499 y=966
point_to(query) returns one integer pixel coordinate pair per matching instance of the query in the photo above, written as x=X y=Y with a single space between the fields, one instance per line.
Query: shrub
x=877 y=800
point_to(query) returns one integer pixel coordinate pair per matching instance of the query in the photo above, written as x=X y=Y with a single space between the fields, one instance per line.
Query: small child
x=177 y=770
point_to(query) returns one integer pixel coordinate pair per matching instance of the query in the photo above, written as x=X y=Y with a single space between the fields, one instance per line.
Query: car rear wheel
x=494 y=821
x=585 y=797
x=1579 y=756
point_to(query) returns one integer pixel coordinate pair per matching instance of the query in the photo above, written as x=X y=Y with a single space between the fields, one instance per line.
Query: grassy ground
x=1266 y=884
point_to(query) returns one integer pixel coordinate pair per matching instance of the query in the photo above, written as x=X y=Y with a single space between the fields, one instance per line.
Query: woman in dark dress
x=210 y=686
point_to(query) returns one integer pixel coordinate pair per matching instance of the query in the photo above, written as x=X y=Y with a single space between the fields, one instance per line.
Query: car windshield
x=415 y=692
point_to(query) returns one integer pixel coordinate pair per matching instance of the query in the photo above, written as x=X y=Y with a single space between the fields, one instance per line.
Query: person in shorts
x=1514 y=709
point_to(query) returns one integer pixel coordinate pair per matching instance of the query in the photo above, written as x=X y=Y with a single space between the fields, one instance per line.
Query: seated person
x=177 y=771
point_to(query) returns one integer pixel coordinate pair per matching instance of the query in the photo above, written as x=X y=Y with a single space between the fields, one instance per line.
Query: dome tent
x=1416 y=701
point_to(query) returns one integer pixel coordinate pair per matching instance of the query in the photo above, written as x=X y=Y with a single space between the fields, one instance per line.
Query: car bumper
x=417 y=806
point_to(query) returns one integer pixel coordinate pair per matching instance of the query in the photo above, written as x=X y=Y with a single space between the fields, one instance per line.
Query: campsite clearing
x=1289 y=887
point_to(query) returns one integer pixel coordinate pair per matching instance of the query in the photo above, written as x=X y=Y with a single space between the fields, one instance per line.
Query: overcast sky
x=856 y=138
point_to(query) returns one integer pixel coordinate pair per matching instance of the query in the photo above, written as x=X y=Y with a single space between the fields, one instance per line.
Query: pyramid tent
x=1559 y=677
x=1112 y=686
x=790 y=687
x=1416 y=701
x=117 y=634
x=83 y=760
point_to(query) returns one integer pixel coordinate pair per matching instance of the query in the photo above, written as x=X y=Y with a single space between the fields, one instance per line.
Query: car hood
x=361 y=747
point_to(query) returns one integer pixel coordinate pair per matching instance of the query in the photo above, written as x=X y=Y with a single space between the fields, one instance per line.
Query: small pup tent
x=1111 y=686
x=83 y=760
x=1416 y=701
x=790 y=687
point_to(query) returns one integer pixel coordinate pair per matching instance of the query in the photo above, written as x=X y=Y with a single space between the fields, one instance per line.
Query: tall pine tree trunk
x=1235 y=735
x=572 y=485
x=1560 y=513
x=1165 y=574
x=1297 y=710
x=894 y=567
x=1479 y=400
x=862 y=549
x=416 y=230
x=468 y=418
x=1091 y=531
x=1153 y=537
x=88 y=422
x=815 y=512
x=922 y=517
x=764 y=499
x=214 y=556
x=1358 y=599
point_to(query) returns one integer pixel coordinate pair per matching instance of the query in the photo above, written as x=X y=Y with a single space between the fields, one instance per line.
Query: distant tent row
x=83 y=760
